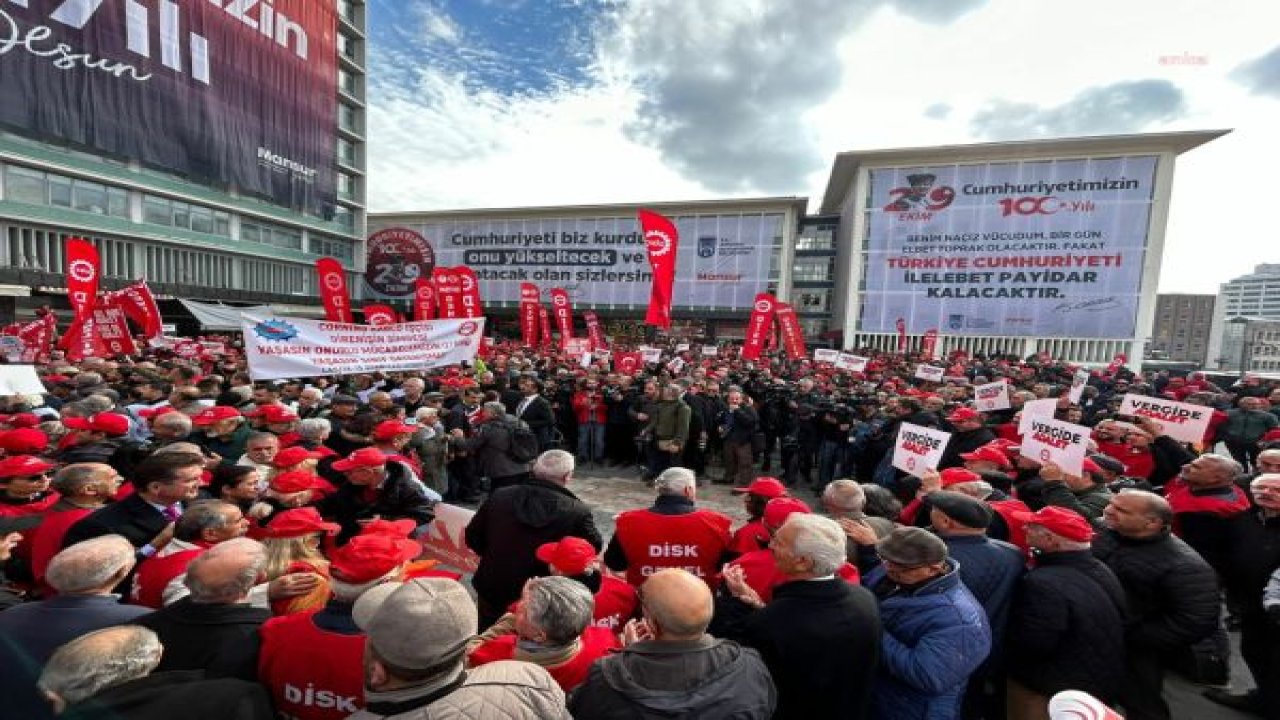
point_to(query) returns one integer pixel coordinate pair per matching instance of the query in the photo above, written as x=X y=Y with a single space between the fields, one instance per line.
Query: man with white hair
x=673 y=533
x=84 y=576
x=108 y=674
x=819 y=636
x=310 y=403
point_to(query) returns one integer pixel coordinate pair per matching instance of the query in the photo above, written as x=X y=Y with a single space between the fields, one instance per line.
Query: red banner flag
x=37 y=337
x=759 y=326
x=332 y=281
x=530 y=298
x=424 y=299
x=663 y=242
x=789 y=328
x=139 y=305
x=544 y=321
x=1116 y=363
x=594 y=332
x=902 y=336
x=83 y=272
x=929 y=345
x=378 y=315
x=469 y=287
x=448 y=292
x=563 y=310
x=110 y=334
x=628 y=363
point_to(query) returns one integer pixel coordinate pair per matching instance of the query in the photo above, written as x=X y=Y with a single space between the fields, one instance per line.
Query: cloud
x=1261 y=75
x=937 y=111
x=1122 y=107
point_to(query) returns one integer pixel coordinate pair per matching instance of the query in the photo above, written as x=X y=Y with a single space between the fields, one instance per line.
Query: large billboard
x=228 y=92
x=1033 y=248
x=722 y=261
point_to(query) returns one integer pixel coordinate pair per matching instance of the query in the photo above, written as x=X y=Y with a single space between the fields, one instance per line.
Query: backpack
x=523 y=447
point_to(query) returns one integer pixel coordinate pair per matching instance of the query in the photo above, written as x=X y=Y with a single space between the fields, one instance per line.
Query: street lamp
x=1244 y=341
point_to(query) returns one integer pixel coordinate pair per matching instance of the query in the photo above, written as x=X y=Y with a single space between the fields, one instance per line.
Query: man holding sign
x=967 y=434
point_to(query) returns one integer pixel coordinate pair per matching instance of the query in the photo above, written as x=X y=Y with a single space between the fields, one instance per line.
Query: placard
x=826 y=355
x=20 y=380
x=575 y=347
x=651 y=355
x=852 y=363
x=445 y=540
x=1063 y=443
x=1078 y=383
x=681 y=347
x=930 y=373
x=919 y=448
x=1045 y=408
x=11 y=346
x=1181 y=421
x=992 y=396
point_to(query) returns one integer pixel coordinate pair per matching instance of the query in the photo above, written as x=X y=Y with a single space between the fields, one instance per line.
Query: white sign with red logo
x=852 y=363
x=919 y=448
x=930 y=373
x=992 y=396
x=710 y=350
x=445 y=542
x=1045 y=408
x=681 y=347
x=1078 y=381
x=1063 y=443
x=575 y=347
x=826 y=355
x=1181 y=421
x=290 y=347
x=651 y=354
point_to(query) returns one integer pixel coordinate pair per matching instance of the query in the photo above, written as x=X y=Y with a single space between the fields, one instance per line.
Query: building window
x=24 y=186
x=348 y=83
x=346 y=186
x=346 y=152
x=197 y=218
x=272 y=235
x=347 y=118
x=815 y=269
x=35 y=187
x=323 y=246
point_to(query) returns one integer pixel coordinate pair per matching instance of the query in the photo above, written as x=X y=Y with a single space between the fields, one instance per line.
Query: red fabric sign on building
x=529 y=304
x=563 y=310
x=662 y=241
x=469 y=287
x=448 y=293
x=792 y=334
x=424 y=300
x=332 y=281
x=759 y=326
x=594 y=332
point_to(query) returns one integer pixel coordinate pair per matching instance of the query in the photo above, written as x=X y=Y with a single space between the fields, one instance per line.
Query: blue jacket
x=934 y=638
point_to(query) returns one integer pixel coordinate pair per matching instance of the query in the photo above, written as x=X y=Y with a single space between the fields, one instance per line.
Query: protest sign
x=919 y=448
x=852 y=363
x=1078 y=381
x=1063 y=443
x=445 y=543
x=651 y=355
x=710 y=350
x=992 y=396
x=20 y=380
x=11 y=346
x=1181 y=421
x=681 y=347
x=1045 y=408
x=930 y=373
x=825 y=355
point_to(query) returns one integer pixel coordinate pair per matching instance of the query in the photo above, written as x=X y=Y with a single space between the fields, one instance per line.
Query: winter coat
x=1088 y=503
x=990 y=569
x=707 y=679
x=508 y=528
x=221 y=640
x=169 y=695
x=1172 y=592
x=1067 y=627
x=400 y=497
x=934 y=638
x=670 y=421
x=490 y=446
x=506 y=689
x=965 y=441
x=1254 y=542
x=1246 y=426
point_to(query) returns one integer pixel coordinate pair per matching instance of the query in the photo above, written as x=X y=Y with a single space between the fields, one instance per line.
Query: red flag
x=83 y=272
x=424 y=299
x=139 y=305
x=378 y=315
x=544 y=321
x=929 y=345
x=332 y=281
x=37 y=337
x=594 y=332
x=758 y=326
x=529 y=304
x=1116 y=363
x=469 y=287
x=663 y=242
x=629 y=363
x=563 y=311
x=902 y=336
x=789 y=327
x=110 y=334
x=448 y=292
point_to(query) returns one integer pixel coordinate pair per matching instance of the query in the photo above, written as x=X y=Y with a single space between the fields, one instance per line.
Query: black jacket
x=1067 y=627
x=540 y=418
x=1169 y=455
x=1254 y=542
x=132 y=517
x=398 y=498
x=222 y=640
x=708 y=679
x=169 y=695
x=1172 y=592
x=508 y=528
x=965 y=441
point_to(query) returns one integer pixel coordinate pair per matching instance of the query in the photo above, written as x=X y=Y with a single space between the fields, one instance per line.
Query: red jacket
x=46 y=540
x=750 y=537
x=652 y=541
x=596 y=642
x=597 y=414
x=311 y=673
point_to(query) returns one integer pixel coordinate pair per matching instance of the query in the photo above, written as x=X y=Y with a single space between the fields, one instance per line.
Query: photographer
x=777 y=421
x=737 y=425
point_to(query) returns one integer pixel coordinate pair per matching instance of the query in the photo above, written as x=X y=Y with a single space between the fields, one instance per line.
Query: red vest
x=1017 y=529
x=615 y=603
x=761 y=573
x=47 y=539
x=312 y=674
x=596 y=642
x=1231 y=501
x=693 y=541
x=155 y=574
x=750 y=537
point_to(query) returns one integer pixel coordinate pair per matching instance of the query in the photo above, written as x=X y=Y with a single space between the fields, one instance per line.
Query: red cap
x=388 y=429
x=955 y=476
x=369 y=557
x=362 y=458
x=393 y=528
x=570 y=556
x=23 y=441
x=23 y=466
x=290 y=456
x=292 y=482
x=275 y=414
x=1059 y=521
x=24 y=420
x=152 y=413
x=215 y=414
x=964 y=413
x=768 y=487
x=987 y=453
x=108 y=423
x=779 y=509
x=298 y=522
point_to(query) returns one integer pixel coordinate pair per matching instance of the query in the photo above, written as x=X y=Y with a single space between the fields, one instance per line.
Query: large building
x=224 y=154
x=1242 y=302
x=1181 y=329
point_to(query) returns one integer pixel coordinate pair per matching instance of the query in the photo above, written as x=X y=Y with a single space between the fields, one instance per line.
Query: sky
x=509 y=103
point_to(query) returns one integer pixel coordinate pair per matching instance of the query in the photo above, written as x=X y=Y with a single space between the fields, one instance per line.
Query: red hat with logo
x=272 y=414
x=295 y=481
x=394 y=528
x=24 y=420
x=290 y=456
x=570 y=555
x=1059 y=521
x=297 y=523
x=368 y=557
x=987 y=453
x=779 y=509
x=768 y=487
x=388 y=429
x=956 y=476
x=963 y=414
x=23 y=441
x=362 y=458
x=215 y=414
x=106 y=423
x=24 y=466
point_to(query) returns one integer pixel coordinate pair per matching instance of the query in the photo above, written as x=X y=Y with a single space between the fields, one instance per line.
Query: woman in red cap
x=753 y=535
x=293 y=539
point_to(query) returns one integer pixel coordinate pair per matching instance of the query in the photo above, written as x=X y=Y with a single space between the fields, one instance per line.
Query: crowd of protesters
x=177 y=539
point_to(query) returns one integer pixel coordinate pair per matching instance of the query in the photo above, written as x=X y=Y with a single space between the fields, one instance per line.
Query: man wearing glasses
x=24 y=486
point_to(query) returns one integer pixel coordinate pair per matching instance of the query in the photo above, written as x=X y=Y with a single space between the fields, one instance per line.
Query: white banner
x=681 y=347
x=710 y=350
x=930 y=373
x=651 y=355
x=288 y=347
x=1045 y=247
x=1181 y=421
x=20 y=380
x=1058 y=442
x=11 y=346
x=992 y=396
x=825 y=355
x=1078 y=383
x=445 y=540
x=919 y=448
x=1045 y=408
x=852 y=363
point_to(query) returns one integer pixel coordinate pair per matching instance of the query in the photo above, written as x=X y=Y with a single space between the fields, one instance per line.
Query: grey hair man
x=214 y=628
x=109 y=673
x=84 y=575
x=415 y=660
x=845 y=501
x=204 y=523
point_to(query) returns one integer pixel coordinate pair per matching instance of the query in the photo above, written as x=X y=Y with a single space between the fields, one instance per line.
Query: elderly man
x=967 y=435
x=1172 y=594
x=414 y=662
x=1244 y=427
x=515 y=521
x=844 y=501
x=204 y=524
x=108 y=674
x=1204 y=498
x=819 y=636
x=1053 y=643
x=162 y=483
x=667 y=430
x=83 y=576
x=935 y=633
x=673 y=533
x=1083 y=493
x=671 y=666
x=259 y=450
x=81 y=488
x=225 y=432
x=310 y=403
x=375 y=488
x=492 y=445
